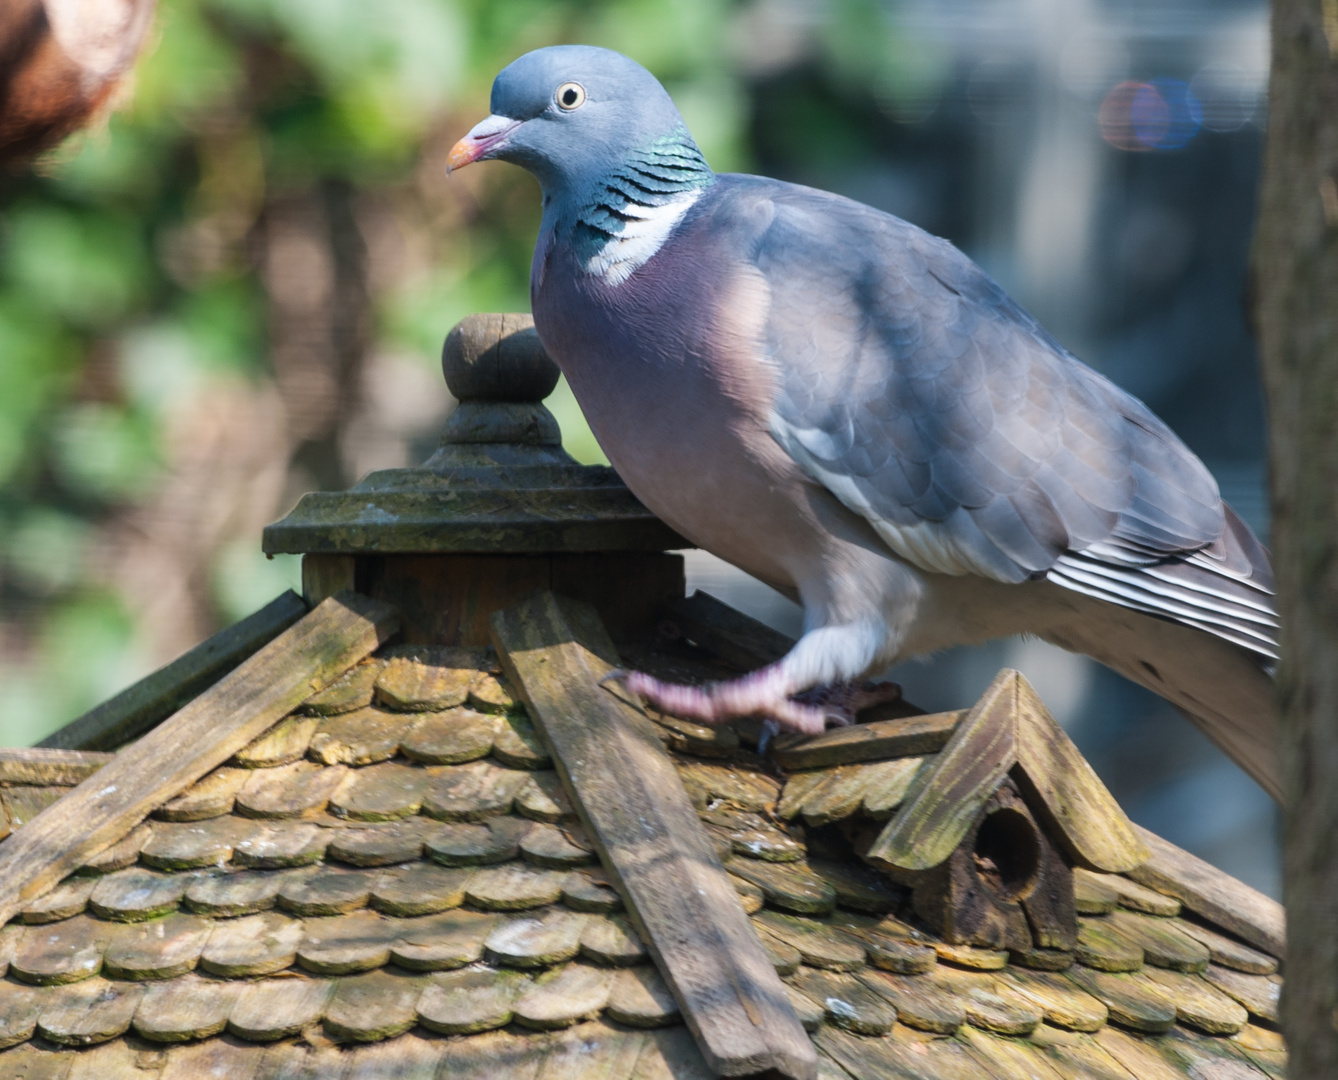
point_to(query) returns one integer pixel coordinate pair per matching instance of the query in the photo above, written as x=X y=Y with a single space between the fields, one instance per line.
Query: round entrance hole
x=1007 y=853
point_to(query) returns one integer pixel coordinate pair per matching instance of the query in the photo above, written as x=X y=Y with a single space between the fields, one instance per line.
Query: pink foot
x=762 y=693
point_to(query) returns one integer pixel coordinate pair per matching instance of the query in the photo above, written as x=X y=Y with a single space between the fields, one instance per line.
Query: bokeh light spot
x=1163 y=114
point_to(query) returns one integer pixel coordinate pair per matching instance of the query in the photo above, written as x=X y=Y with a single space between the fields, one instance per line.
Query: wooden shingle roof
x=434 y=867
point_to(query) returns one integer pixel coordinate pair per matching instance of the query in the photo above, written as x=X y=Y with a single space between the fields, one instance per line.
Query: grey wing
x=927 y=401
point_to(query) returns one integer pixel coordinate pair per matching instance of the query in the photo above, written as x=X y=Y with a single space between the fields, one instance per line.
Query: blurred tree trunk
x=1296 y=274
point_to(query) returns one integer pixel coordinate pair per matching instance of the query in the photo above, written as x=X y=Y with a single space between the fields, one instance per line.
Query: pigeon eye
x=570 y=96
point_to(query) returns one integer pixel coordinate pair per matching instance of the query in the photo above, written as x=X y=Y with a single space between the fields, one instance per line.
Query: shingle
x=1199 y=1004
x=1103 y=946
x=563 y=996
x=466 y=1002
x=363 y=737
x=920 y=1002
x=969 y=956
x=589 y=890
x=990 y=1003
x=1065 y=1004
x=121 y=854
x=490 y=693
x=88 y=1012
x=188 y=845
x=817 y=942
x=639 y=998
x=282 y=844
x=611 y=942
x=1163 y=943
x=352 y=691
x=379 y=845
x=285 y=742
x=1227 y=951
x=419 y=678
x=1092 y=895
x=185 y=1008
x=252 y=945
x=276 y=1008
x=467 y=844
x=67 y=899
x=217 y=1059
x=345 y=944
x=452 y=737
x=20 y=1006
x=671 y=1054
x=746 y=789
x=331 y=890
x=209 y=797
x=791 y=886
x=517 y=744
x=61 y=952
x=539 y=940
x=419 y=889
x=381 y=792
x=888 y=943
x=847 y=1002
x=556 y=848
x=1258 y=993
x=541 y=798
x=514 y=887
x=301 y=789
x=133 y=895
x=441 y=942
x=241 y=893
x=377 y=1005
x=407 y=1057
x=159 y=949
x=1133 y=1001
x=471 y=792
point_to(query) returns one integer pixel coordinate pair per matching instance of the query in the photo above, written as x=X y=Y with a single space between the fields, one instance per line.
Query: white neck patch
x=640 y=239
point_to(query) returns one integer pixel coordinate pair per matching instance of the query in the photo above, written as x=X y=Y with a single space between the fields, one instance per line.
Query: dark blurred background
x=235 y=290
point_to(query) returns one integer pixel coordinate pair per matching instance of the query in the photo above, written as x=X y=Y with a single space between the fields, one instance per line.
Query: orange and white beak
x=482 y=139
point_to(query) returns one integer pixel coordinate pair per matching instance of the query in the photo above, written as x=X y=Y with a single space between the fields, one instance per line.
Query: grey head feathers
x=625 y=126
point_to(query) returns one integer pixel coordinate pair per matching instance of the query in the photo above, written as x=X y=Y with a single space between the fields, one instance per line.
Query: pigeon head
x=571 y=115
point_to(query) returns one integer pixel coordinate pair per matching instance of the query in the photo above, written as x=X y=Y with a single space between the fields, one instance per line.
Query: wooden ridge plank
x=736 y=638
x=199 y=737
x=900 y=737
x=1213 y=894
x=943 y=801
x=49 y=765
x=142 y=706
x=638 y=815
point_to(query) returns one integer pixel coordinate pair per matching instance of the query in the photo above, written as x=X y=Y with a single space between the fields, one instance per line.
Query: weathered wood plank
x=199 y=737
x=651 y=842
x=140 y=707
x=1209 y=892
x=48 y=765
x=1087 y=819
x=876 y=741
x=943 y=801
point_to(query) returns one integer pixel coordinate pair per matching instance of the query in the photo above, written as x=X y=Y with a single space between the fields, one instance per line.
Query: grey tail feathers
x=1225 y=589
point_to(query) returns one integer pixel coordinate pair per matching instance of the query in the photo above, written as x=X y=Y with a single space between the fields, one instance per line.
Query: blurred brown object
x=60 y=63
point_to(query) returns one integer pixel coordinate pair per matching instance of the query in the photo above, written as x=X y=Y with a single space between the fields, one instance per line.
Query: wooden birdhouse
x=404 y=826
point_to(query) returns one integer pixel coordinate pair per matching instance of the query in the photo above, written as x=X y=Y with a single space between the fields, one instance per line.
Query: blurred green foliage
x=131 y=286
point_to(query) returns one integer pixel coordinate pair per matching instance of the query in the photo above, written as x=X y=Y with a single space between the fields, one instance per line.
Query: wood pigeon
x=851 y=410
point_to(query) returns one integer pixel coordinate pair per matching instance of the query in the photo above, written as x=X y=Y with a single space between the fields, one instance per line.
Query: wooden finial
x=492 y=357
